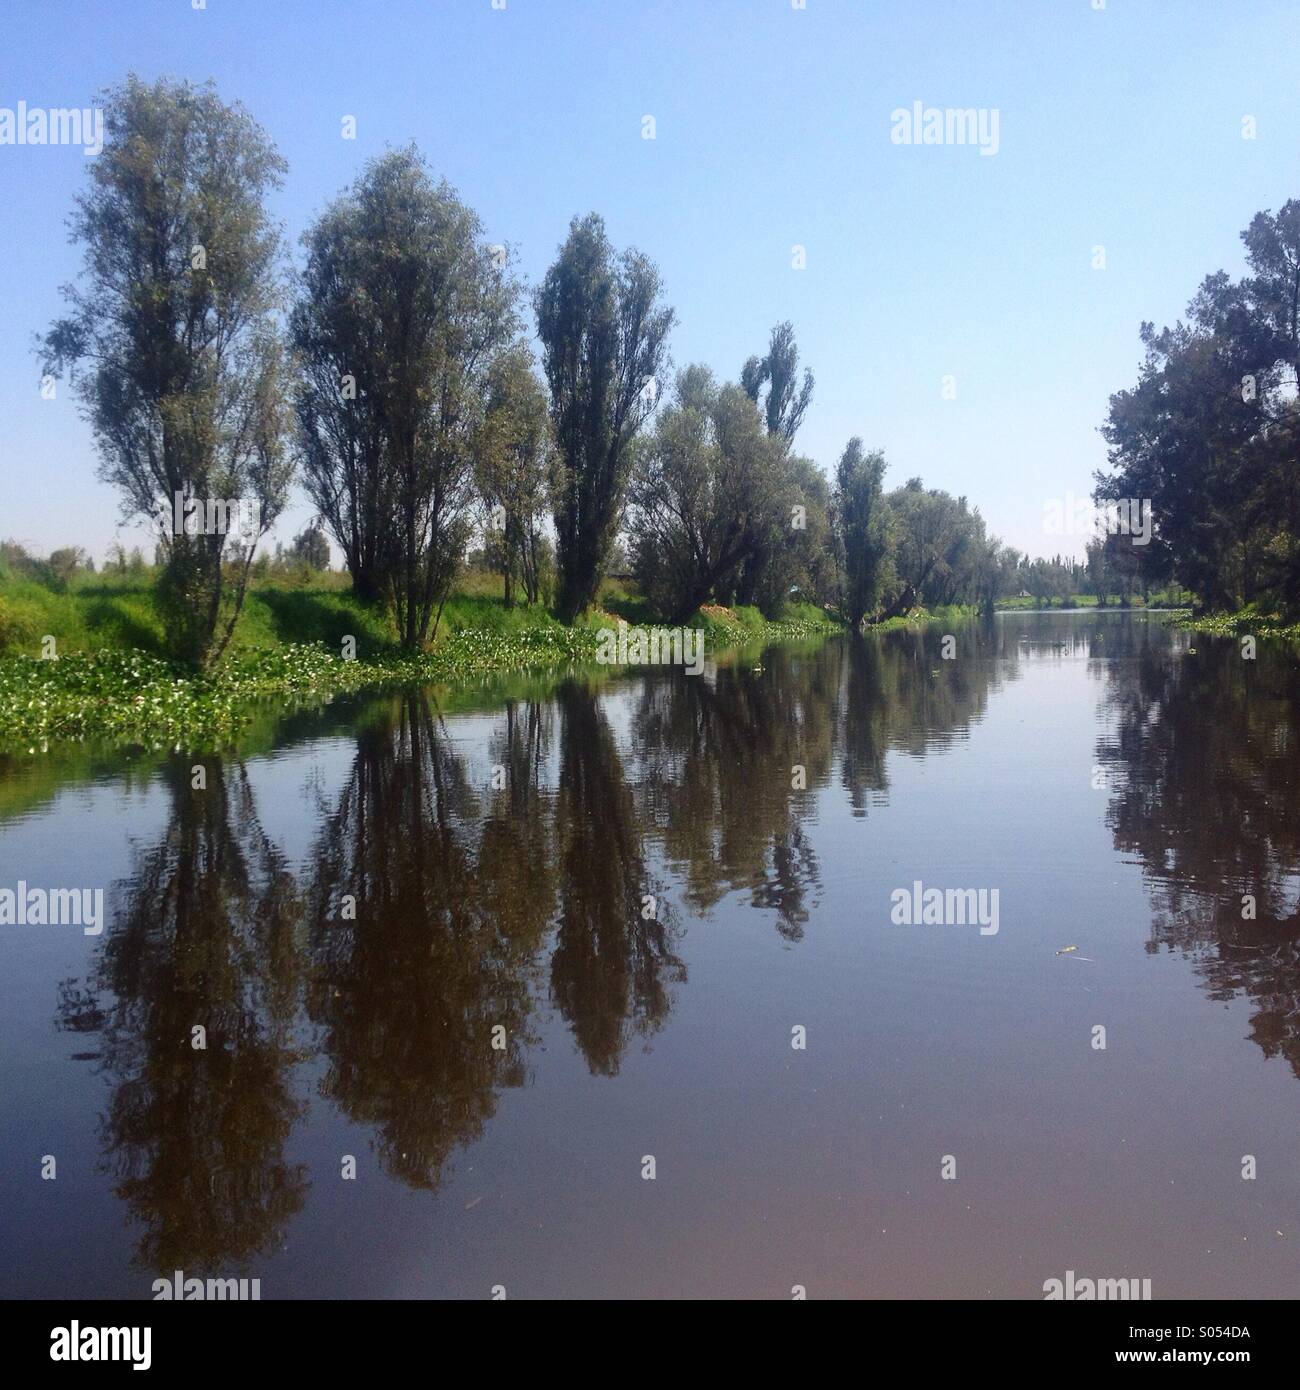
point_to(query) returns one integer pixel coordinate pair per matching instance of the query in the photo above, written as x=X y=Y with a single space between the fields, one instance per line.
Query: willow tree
x=174 y=320
x=604 y=339
x=863 y=521
x=340 y=436
x=404 y=308
x=515 y=457
x=709 y=484
x=772 y=382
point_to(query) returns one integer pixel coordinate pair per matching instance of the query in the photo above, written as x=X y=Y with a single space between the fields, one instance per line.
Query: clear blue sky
x=1119 y=127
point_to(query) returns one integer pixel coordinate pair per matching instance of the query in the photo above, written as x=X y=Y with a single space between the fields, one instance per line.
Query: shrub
x=20 y=623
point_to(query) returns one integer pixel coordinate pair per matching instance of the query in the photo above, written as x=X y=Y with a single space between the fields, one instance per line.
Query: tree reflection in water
x=443 y=908
x=1205 y=761
x=206 y=935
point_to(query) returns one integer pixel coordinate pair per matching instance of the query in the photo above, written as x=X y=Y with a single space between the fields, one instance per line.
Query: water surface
x=502 y=946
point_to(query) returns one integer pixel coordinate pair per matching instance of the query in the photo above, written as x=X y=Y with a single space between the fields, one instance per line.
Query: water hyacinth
x=132 y=695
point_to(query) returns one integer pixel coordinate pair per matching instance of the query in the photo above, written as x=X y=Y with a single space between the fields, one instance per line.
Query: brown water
x=648 y=904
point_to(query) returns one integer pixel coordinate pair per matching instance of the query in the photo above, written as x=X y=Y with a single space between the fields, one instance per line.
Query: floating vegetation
x=133 y=695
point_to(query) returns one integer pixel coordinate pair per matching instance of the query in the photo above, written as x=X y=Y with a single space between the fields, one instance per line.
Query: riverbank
x=114 y=688
x=1160 y=601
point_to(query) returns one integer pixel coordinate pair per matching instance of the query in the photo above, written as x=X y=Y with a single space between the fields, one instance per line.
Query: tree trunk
x=901 y=604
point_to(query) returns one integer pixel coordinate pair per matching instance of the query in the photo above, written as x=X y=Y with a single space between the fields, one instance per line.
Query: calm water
x=645 y=885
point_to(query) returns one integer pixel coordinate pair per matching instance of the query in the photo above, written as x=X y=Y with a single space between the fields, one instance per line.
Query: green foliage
x=112 y=677
x=132 y=694
x=1210 y=435
x=515 y=466
x=772 y=382
x=710 y=485
x=865 y=529
x=604 y=338
x=311 y=546
x=20 y=623
x=403 y=307
x=175 y=315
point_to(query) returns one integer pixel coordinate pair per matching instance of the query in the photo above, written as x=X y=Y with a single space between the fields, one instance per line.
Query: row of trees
x=1210 y=434
x=393 y=374
x=402 y=385
x=723 y=508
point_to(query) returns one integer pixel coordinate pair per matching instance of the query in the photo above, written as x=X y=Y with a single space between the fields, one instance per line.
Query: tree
x=63 y=563
x=995 y=573
x=1098 y=572
x=863 y=522
x=175 y=318
x=936 y=535
x=1047 y=579
x=311 y=546
x=416 y=308
x=1180 y=443
x=778 y=370
x=1209 y=437
x=772 y=383
x=799 y=558
x=515 y=458
x=604 y=346
x=706 y=484
x=340 y=425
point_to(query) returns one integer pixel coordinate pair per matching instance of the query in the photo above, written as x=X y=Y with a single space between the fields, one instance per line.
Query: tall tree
x=1209 y=437
x=416 y=307
x=772 y=381
x=175 y=317
x=604 y=339
x=864 y=527
x=340 y=425
x=515 y=454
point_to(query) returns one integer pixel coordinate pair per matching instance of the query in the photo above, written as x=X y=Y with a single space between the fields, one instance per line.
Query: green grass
x=94 y=615
x=742 y=626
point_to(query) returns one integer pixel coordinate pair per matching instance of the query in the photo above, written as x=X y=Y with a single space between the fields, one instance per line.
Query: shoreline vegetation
x=107 y=675
x=1245 y=622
